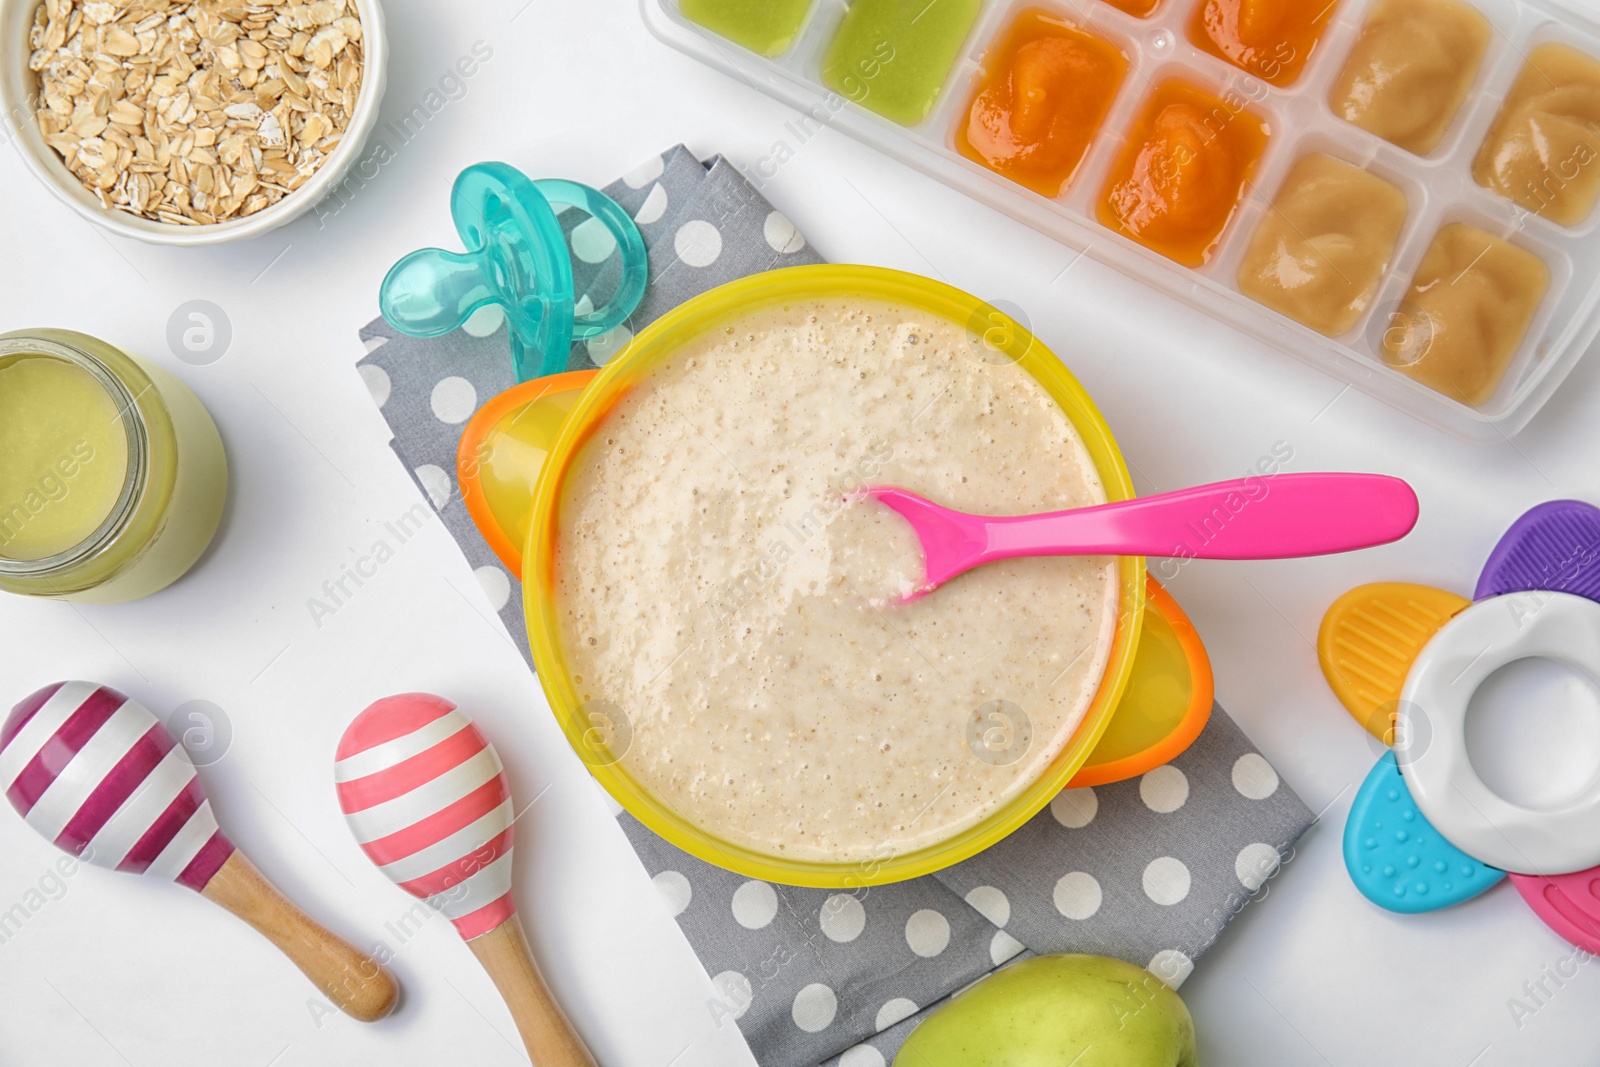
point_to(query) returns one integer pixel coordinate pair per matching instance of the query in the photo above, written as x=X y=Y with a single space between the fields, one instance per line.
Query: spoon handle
x=347 y=976
x=546 y=1033
x=1287 y=515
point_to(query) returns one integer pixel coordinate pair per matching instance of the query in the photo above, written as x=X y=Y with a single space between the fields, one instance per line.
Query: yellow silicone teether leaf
x=1369 y=639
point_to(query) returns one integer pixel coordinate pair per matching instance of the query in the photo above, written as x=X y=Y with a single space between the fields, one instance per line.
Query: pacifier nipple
x=431 y=292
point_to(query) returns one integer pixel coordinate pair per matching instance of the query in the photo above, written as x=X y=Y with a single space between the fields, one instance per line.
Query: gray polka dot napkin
x=1149 y=871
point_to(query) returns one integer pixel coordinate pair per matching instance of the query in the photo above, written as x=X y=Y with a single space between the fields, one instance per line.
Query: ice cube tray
x=1439 y=186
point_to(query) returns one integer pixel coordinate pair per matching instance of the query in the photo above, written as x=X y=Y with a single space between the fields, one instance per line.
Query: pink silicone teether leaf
x=1568 y=903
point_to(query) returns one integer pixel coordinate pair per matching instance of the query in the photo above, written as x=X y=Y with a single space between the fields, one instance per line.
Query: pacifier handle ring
x=514 y=257
x=634 y=258
x=529 y=274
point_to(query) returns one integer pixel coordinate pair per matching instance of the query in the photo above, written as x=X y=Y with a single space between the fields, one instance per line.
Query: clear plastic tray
x=1439 y=187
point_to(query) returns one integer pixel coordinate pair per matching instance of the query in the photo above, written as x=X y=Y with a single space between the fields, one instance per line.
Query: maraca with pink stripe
x=426 y=797
x=97 y=775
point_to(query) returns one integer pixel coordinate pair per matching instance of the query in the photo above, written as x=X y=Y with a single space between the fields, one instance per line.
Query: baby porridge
x=718 y=586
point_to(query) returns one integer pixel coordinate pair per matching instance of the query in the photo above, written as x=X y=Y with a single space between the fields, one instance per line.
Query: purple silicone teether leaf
x=1554 y=547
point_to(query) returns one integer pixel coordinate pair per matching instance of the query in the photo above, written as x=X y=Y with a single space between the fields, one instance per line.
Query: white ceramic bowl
x=19 y=87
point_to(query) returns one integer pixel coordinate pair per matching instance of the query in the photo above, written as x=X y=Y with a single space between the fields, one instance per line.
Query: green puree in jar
x=766 y=27
x=893 y=56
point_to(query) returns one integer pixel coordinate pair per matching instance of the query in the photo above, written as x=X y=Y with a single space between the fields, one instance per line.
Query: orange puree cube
x=1141 y=8
x=1046 y=88
x=1188 y=160
x=1271 y=39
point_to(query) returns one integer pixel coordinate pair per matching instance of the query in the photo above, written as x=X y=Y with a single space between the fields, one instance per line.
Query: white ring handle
x=1466 y=650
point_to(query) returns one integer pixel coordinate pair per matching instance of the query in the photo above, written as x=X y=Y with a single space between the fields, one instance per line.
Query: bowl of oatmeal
x=191 y=124
x=716 y=614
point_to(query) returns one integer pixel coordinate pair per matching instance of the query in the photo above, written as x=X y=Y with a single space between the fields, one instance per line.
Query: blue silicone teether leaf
x=1396 y=858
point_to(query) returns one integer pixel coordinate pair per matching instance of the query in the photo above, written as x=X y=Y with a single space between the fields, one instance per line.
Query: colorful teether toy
x=1425 y=831
x=100 y=777
x=516 y=257
x=1302 y=515
x=425 y=796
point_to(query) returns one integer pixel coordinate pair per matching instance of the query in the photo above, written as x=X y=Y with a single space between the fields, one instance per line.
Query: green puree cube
x=893 y=56
x=766 y=27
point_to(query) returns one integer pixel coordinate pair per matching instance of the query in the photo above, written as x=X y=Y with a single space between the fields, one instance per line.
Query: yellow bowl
x=587 y=729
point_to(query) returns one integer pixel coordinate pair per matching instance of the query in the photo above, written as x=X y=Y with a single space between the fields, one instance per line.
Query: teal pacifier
x=516 y=257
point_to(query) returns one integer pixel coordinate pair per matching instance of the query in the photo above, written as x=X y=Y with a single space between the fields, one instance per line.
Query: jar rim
x=138 y=463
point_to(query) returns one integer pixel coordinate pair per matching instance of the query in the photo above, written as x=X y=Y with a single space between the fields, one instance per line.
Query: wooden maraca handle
x=546 y=1033
x=352 y=980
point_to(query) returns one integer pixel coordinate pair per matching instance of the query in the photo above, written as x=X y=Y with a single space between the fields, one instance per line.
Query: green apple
x=1058 y=1011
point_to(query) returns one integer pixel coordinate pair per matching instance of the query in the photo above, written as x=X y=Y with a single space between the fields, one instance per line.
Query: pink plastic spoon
x=1280 y=517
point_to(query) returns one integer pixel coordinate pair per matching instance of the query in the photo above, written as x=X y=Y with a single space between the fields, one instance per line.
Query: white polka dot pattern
x=991 y=903
x=814 y=1008
x=486 y=321
x=698 y=243
x=861 y=1056
x=675 y=890
x=1075 y=808
x=495 y=583
x=454 y=400
x=376 y=380
x=592 y=241
x=733 y=989
x=1171 y=966
x=893 y=1011
x=781 y=235
x=1164 y=790
x=436 y=483
x=1166 y=880
x=1003 y=947
x=1254 y=777
x=1077 y=895
x=755 y=904
x=602 y=347
x=654 y=206
x=1255 y=864
x=843 y=918
x=927 y=933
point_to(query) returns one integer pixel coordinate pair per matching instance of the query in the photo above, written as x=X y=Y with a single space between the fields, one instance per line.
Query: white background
x=119 y=970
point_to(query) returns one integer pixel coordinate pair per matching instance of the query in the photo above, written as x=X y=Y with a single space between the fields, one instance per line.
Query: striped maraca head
x=99 y=776
x=425 y=795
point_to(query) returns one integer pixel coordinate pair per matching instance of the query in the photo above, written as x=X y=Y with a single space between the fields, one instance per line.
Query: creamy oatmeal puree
x=714 y=587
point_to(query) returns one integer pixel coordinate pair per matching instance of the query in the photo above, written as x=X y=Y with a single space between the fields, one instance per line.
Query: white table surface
x=114 y=969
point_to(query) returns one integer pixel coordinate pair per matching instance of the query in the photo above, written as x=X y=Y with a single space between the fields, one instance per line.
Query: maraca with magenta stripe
x=97 y=775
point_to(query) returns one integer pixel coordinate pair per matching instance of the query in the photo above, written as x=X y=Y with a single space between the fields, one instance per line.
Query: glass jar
x=112 y=474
